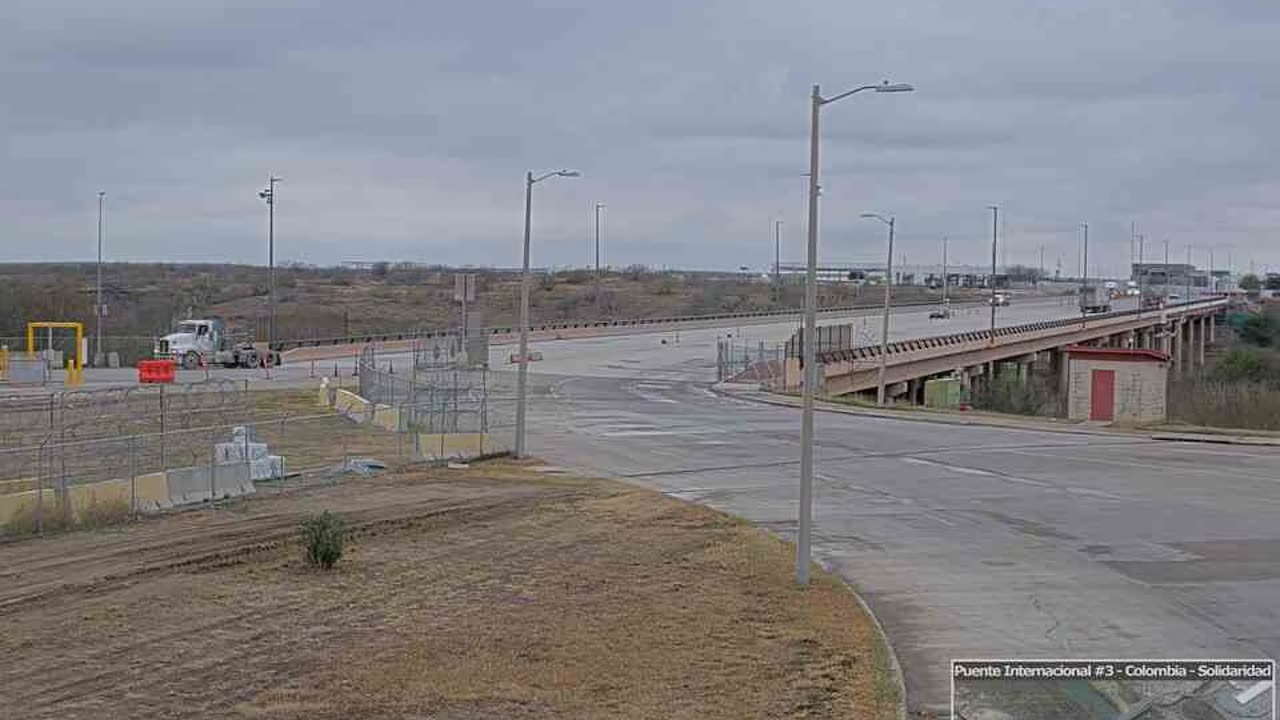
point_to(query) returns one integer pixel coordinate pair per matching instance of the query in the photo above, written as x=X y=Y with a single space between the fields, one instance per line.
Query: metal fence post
x=163 y=465
x=133 y=479
x=280 y=452
x=213 y=465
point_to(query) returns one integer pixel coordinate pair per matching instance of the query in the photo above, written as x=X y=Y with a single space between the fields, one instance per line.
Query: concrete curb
x=750 y=393
x=895 y=667
x=1259 y=440
x=765 y=398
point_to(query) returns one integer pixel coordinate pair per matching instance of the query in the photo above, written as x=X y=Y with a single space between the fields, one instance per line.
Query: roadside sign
x=517 y=359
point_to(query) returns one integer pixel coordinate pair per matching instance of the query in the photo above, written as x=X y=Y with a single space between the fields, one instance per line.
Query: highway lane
x=617 y=352
x=966 y=540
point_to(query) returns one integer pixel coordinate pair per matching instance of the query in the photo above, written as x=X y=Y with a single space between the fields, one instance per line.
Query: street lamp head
x=874 y=216
x=569 y=173
x=885 y=87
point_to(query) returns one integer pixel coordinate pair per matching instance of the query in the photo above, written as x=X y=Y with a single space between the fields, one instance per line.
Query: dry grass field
x=495 y=591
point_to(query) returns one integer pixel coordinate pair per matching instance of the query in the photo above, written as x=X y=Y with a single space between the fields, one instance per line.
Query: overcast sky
x=403 y=128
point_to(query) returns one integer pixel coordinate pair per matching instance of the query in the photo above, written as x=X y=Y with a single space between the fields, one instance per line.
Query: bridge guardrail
x=283 y=345
x=873 y=351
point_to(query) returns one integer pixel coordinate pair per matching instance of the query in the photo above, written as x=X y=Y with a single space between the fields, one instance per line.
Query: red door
x=1102 y=395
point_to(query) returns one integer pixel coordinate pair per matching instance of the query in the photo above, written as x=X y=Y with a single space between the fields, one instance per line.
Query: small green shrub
x=323 y=537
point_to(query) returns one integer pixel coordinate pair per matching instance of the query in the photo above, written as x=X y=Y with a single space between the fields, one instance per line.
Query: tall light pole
x=97 y=325
x=777 y=254
x=884 y=324
x=1187 y=297
x=599 y=207
x=1142 y=271
x=522 y=376
x=809 y=354
x=1084 y=272
x=995 y=224
x=945 y=304
x=1166 y=271
x=269 y=195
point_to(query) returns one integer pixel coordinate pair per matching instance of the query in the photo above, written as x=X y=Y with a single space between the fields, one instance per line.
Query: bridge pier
x=1200 y=340
x=1177 y=348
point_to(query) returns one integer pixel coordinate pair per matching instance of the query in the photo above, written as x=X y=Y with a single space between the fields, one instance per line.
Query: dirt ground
x=489 y=592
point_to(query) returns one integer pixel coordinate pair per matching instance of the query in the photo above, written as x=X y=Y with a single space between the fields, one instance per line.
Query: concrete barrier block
x=352 y=405
x=151 y=492
x=386 y=417
x=191 y=485
x=455 y=446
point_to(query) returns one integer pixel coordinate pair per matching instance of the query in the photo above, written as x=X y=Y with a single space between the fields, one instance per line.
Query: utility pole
x=98 y=311
x=599 y=207
x=1040 y=274
x=995 y=224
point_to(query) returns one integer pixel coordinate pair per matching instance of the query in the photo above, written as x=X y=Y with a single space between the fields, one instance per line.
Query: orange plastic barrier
x=156 y=371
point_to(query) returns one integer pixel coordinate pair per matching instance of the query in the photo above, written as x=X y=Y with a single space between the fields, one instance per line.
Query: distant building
x=1172 y=279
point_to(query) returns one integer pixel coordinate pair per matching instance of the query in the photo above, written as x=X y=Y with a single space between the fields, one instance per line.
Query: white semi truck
x=1095 y=299
x=197 y=343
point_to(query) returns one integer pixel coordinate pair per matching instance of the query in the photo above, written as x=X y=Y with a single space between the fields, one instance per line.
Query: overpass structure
x=1180 y=331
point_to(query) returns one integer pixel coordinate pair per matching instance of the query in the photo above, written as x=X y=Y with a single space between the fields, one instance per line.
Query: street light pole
x=884 y=325
x=809 y=351
x=522 y=374
x=944 y=273
x=269 y=195
x=599 y=206
x=777 y=255
x=98 y=311
x=1084 y=272
x=995 y=224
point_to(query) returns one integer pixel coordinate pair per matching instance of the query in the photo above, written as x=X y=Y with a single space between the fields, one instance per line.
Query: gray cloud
x=403 y=129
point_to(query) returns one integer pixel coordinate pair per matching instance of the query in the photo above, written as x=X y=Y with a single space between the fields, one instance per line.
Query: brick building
x=1116 y=384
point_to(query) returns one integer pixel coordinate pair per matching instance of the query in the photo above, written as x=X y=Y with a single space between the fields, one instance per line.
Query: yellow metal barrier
x=4 y=363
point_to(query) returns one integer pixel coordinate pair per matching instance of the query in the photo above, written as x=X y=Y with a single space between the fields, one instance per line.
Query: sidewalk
x=753 y=393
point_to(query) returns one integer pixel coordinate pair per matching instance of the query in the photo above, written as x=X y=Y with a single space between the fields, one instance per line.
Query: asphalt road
x=967 y=541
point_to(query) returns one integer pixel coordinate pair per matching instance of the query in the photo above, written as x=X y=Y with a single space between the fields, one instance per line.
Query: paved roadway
x=967 y=541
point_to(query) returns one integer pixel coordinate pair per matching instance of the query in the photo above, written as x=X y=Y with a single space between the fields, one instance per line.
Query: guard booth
x=1119 y=385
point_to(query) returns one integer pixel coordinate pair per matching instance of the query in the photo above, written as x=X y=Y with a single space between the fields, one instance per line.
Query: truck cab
x=193 y=342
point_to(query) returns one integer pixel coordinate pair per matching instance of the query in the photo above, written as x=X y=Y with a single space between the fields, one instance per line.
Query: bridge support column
x=1213 y=329
x=1200 y=340
x=1177 y=347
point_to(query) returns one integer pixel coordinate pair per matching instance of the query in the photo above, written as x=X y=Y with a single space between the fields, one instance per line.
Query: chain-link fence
x=744 y=361
x=437 y=392
x=90 y=457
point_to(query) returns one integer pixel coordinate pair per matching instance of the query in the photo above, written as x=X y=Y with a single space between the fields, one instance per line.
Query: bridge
x=1179 y=331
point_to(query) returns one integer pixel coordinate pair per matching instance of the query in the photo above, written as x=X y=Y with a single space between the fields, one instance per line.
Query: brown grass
x=572 y=598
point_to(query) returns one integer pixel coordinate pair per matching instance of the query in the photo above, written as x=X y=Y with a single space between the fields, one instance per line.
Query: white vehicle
x=1095 y=300
x=206 y=342
x=999 y=300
